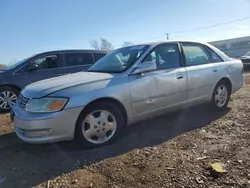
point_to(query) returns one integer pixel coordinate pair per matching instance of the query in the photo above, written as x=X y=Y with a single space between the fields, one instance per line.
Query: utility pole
x=167 y=36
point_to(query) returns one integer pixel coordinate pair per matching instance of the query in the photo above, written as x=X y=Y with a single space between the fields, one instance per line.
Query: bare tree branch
x=95 y=44
x=106 y=45
x=103 y=45
x=127 y=43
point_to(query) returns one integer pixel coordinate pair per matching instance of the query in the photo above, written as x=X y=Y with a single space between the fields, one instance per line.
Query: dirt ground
x=173 y=150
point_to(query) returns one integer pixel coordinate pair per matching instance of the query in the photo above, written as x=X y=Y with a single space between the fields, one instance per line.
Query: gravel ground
x=174 y=150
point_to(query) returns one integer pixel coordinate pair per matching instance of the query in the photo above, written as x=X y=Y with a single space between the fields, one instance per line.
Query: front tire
x=99 y=124
x=8 y=97
x=221 y=96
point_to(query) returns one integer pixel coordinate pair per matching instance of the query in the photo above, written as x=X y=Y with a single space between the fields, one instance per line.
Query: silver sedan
x=128 y=85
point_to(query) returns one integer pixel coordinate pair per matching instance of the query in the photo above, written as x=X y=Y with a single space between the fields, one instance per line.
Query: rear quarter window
x=214 y=56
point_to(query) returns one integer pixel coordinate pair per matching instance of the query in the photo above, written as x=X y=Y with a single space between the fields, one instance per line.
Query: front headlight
x=47 y=104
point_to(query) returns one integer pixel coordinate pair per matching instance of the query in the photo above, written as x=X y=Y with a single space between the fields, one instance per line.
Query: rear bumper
x=245 y=61
x=238 y=84
x=246 y=66
x=47 y=127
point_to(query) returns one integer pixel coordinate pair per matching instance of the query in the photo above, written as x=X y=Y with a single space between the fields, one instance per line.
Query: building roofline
x=237 y=38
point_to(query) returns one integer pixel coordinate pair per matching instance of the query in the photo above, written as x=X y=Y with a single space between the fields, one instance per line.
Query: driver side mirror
x=145 y=67
x=32 y=67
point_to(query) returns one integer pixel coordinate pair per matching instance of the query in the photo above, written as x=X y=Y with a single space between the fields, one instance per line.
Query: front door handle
x=215 y=70
x=179 y=77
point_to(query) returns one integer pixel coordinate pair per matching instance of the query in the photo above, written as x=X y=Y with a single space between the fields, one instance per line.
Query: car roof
x=170 y=41
x=154 y=44
x=76 y=51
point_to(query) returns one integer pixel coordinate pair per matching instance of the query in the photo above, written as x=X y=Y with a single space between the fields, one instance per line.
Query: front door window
x=47 y=62
x=165 y=56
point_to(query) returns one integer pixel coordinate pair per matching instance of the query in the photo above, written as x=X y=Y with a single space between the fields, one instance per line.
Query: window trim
x=85 y=65
x=163 y=44
x=202 y=47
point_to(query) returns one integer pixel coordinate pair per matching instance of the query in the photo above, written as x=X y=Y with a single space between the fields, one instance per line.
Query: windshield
x=248 y=54
x=119 y=60
x=18 y=63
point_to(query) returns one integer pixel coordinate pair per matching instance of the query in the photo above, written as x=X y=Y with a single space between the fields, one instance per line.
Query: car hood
x=2 y=70
x=245 y=57
x=48 y=86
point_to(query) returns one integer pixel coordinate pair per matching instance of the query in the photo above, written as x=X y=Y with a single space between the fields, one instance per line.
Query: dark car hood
x=245 y=57
x=2 y=70
x=48 y=86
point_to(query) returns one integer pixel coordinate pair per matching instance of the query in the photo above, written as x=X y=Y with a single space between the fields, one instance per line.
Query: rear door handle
x=215 y=70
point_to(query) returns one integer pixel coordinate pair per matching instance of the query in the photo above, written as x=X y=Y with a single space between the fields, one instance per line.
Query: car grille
x=22 y=101
x=245 y=60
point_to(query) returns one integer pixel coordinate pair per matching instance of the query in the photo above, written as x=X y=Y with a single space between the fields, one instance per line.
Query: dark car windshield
x=18 y=63
x=248 y=54
x=119 y=60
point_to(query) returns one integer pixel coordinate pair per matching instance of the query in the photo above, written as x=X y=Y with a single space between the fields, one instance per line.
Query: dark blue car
x=42 y=66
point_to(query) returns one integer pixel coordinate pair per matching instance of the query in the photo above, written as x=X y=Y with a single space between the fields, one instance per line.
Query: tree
x=2 y=66
x=127 y=43
x=104 y=44
x=95 y=44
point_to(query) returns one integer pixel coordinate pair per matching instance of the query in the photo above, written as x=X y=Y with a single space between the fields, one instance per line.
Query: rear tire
x=221 y=96
x=8 y=97
x=99 y=124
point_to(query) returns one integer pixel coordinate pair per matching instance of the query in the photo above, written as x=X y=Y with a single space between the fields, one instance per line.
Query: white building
x=235 y=47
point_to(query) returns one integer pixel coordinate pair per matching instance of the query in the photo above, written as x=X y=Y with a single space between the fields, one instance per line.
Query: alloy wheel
x=99 y=126
x=221 y=95
x=7 y=99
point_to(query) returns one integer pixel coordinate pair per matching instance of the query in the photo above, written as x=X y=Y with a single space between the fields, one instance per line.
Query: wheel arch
x=224 y=79
x=10 y=85
x=111 y=100
x=228 y=81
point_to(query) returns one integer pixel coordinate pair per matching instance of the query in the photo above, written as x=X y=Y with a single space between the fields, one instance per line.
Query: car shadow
x=28 y=165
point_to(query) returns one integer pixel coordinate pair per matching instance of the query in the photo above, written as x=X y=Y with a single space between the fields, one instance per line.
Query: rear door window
x=78 y=59
x=195 y=54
